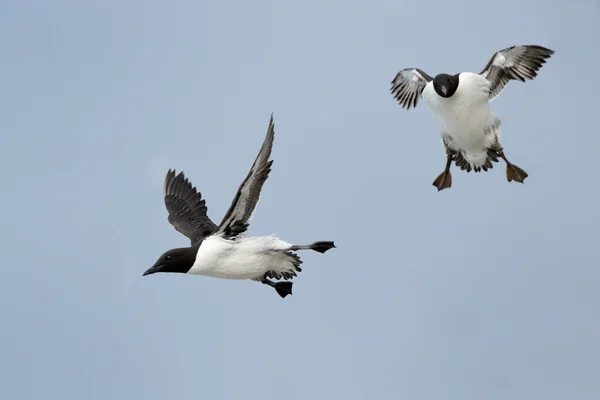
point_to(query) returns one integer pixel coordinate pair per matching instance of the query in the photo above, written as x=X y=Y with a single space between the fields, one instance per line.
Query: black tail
x=283 y=288
x=322 y=247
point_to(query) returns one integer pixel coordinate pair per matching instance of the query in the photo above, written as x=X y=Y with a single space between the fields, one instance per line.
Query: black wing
x=514 y=63
x=186 y=207
x=408 y=85
x=242 y=207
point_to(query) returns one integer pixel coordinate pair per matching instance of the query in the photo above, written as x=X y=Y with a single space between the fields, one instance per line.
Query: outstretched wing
x=186 y=207
x=514 y=63
x=242 y=207
x=408 y=85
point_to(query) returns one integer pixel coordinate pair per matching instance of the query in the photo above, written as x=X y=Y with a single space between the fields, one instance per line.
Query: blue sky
x=488 y=290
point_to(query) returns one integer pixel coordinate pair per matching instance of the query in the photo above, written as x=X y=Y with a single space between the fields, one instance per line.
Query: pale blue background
x=489 y=290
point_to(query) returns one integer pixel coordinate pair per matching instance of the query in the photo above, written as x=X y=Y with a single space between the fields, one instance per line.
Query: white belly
x=246 y=258
x=465 y=117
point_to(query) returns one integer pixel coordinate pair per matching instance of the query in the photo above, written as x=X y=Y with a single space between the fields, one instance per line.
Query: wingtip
x=539 y=47
x=172 y=174
x=546 y=52
x=271 y=129
x=174 y=179
x=542 y=51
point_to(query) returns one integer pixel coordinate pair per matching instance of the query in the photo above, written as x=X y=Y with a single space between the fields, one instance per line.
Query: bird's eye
x=168 y=258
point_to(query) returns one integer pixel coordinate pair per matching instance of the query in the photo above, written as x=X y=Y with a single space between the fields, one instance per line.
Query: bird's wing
x=186 y=207
x=514 y=63
x=243 y=205
x=408 y=85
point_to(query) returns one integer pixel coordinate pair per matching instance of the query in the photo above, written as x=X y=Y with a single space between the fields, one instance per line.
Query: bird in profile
x=226 y=251
x=470 y=132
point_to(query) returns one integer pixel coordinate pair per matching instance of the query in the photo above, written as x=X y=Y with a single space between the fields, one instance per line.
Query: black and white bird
x=226 y=251
x=470 y=131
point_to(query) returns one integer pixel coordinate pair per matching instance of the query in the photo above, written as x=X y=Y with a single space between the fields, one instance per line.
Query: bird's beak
x=154 y=269
x=444 y=89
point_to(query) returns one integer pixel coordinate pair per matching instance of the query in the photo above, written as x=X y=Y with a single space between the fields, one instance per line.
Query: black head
x=176 y=260
x=445 y=85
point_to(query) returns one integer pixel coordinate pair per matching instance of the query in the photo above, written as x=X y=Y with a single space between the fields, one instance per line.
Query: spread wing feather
x=514 y=63
x=408 y=85
x=244 y=203
x=187 y=209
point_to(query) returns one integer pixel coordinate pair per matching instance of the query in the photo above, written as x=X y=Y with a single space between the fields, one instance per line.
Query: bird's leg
x=321 y=246
x=513 y=173
x=444 y=180
x=282 y=288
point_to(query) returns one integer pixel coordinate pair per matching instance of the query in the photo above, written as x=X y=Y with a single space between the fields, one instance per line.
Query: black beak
x=154 y=269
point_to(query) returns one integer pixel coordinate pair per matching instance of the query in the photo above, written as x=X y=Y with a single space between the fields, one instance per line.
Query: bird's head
x=445 y=85
x=176 y=260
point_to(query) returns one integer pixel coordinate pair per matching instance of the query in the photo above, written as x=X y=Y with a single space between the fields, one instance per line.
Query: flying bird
x=226 y=251
x=470 y=132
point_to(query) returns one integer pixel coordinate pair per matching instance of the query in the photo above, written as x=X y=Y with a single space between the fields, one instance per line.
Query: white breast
x=464 y=116
x=246 y=258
